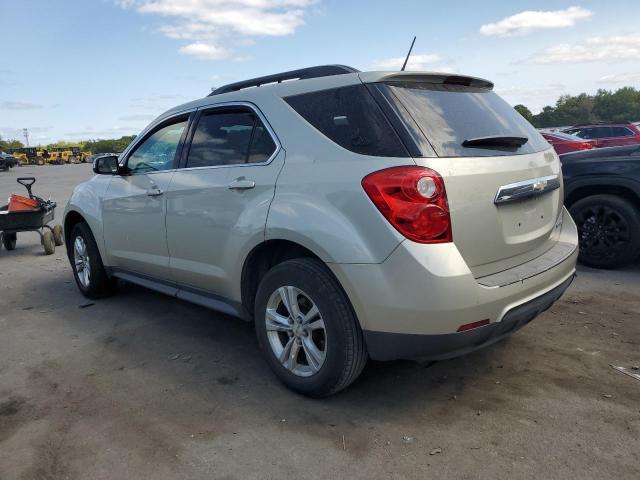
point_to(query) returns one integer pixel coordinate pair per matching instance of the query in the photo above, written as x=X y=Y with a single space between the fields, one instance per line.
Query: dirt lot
x=143 y=386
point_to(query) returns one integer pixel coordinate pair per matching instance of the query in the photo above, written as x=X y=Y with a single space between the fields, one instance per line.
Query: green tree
x=5 y=144
x=524 y=111
x=108 y=145
x=605 y=106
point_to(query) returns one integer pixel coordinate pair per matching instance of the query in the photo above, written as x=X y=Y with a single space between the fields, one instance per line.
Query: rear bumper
x=391 y=346
x=413 y=303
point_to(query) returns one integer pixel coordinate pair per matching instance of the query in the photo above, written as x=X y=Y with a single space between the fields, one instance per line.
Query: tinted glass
x=262 y=145
x=621 y=132
x=158 y=151
x=450 y=114
x=350 y=117
x=564 y=136
x=229 y=138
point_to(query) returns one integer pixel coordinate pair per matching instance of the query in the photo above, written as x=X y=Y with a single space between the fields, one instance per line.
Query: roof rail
x=300 y=74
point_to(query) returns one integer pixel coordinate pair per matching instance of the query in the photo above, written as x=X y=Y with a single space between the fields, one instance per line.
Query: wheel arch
x=264 y=256
x=71 y=219
x=619 y=189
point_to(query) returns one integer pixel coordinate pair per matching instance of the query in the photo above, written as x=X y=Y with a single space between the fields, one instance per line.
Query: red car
x=607 y=134
x=565 y=143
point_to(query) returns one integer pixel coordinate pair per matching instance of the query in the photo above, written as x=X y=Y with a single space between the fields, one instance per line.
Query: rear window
x=448 y=115
x=350 y=117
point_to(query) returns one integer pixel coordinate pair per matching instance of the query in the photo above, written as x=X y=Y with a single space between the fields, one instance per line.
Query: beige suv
x=350 y=215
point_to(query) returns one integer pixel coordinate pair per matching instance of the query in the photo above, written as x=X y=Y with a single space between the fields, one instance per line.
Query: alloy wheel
x=296 y=331
x=81 y=260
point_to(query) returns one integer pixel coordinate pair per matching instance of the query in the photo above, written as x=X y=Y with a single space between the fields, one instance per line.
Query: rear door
x=218 y=202
x=504 y=199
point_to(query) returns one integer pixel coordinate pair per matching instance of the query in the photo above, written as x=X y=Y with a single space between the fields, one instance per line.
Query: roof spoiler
x=433 y=78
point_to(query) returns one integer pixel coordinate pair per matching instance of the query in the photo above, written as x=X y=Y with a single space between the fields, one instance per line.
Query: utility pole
x=25 y=132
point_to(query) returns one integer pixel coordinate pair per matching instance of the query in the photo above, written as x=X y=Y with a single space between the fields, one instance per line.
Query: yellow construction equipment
x=27 y=155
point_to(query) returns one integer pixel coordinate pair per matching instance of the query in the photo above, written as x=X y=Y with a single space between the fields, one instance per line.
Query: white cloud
x=431 y=62
x=19 y=106
x=618 y=47
x=211 y=25
x=204 y=51
x=628 y=78
x=526 y=22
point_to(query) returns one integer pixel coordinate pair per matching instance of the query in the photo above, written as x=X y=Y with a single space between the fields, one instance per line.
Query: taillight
x=583 y=146
x=413 y=199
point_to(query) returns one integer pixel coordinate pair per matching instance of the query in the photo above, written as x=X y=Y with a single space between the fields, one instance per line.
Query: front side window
x=229 y=138
x=584 y=133
x=158 y=151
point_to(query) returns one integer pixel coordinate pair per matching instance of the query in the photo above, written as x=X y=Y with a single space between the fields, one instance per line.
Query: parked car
x=565 y=143
x=9 y=160
x=351 y=215
x=3 y=164
x=607 y=134
x=602 y=192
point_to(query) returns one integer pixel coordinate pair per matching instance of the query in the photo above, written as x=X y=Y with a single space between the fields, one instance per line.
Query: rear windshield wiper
x=495 y=141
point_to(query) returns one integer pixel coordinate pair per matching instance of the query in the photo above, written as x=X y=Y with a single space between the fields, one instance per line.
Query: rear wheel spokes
x=296 y=331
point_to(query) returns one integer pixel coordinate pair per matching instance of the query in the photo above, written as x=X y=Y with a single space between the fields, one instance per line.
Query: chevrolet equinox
x=350 y=215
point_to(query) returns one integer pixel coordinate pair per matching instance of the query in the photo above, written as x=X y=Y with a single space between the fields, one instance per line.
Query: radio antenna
x=408 y=55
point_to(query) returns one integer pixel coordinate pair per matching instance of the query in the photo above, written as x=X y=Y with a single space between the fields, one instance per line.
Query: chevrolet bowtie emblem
x=527 y=189
x=540 y=186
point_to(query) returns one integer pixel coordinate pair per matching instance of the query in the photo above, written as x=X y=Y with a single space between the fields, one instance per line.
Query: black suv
x=602 y=192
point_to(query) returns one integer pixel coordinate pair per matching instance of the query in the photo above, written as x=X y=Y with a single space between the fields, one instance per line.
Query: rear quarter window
x=350 y=117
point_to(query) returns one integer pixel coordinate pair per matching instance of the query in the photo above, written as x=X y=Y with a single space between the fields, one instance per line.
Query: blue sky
x=78 y=69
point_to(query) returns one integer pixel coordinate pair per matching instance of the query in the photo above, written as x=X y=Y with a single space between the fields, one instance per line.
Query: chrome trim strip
x=527 y=189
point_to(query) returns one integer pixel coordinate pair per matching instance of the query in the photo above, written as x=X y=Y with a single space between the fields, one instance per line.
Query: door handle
x=154 y=192
x=242 y=184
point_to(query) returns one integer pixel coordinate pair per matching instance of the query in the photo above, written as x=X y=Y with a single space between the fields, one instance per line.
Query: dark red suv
x=607 y=134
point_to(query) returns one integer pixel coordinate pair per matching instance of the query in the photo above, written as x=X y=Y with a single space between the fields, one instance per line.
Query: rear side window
x=229 y=138
x=448 y=115
x=621 y=132
x=350 y=117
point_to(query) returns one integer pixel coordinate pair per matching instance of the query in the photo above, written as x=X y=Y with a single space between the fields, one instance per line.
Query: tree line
x=113 y=145
x=623 y=105
x=605 y=106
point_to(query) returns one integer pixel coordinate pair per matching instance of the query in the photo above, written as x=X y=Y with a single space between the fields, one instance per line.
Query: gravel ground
x=141 y=386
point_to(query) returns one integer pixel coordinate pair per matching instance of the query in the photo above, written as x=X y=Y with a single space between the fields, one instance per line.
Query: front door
x=218 y=203
x=134 y=208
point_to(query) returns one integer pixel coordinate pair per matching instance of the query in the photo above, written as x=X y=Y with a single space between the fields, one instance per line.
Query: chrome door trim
x=527 y=189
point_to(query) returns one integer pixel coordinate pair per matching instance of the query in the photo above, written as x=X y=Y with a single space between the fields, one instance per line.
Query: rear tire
x=9 y=240
x=608 y=230
x=331 y=351
x=88 y=269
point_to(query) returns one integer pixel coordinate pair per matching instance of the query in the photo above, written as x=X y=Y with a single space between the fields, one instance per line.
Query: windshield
x=447 y=115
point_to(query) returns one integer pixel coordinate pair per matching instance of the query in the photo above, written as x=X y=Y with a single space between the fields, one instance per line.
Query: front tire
x=88 y=269
x=307 y=329
x=608 y=231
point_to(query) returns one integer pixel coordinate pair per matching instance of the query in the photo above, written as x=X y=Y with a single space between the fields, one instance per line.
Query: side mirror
x=107 y=165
